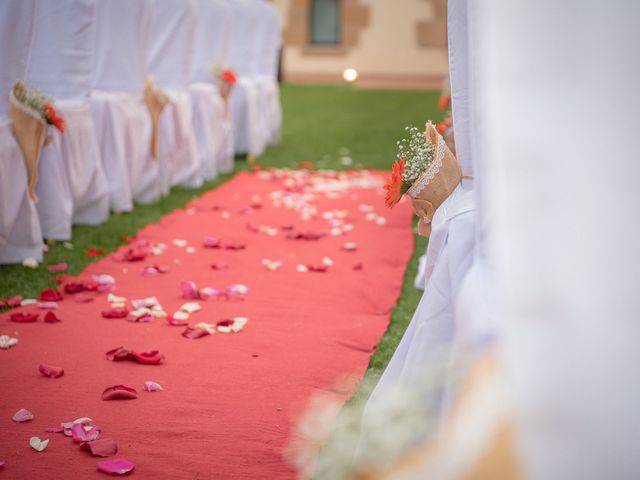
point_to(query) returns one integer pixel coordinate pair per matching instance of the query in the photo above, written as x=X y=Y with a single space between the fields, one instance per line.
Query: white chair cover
x=122 y=122
x=20 y=234
x=72 y=184
x=211 y=125
x=170 y=59
x=561 y=192
x=460 y=72
x=245 y=104
x=267 y=64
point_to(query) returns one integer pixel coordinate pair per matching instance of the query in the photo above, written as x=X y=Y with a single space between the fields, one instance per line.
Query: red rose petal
x=177 y=323
x=94 y=252
x=219 y=266
x=119 y=392
x=73 y=287
x=51 y=371
x=81 y=434
x=23 y=317
x=103 y=447
x=153 y=357
x=115 y=313
x=83 y=298
x=51 y=317
x=11 y=302
x=50 y=295
x=194 y=333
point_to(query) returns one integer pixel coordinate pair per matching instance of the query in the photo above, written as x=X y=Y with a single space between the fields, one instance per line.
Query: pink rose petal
x=2 y=464
x=58 y=267
x=119 y=466
x=84 y=433
x=103 y=447
x=54 y=430
x=211 y=242
x=83 y=298
x=51 y=371
x=194 y=333
x=151 y=386
x=119 y=392
x=22 y=415
x=47 y=305
x=189 y=289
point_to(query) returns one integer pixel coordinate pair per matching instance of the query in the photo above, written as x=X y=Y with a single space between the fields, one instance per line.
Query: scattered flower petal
x=272 y=265
x=85 y=433
x=151 y=386
x=210 y=328
x=145 y=302
x=94 y=252
x=58 y=267
x=219 y=266
x=190 y=307
x=302 y=268
x=51 y=317
x=11 y=302
x=327 y=261
x=20 y=317
x=119 y=392
x=50 y=295
x=51 y=371
x=350 y=246
x=83 y=298
x=189 y=289
x=48 y=305
x=194 y=333
x=7 y=342
x=22 y=415
x=115 y=313
x=178 y=242
x=153 y=357
x=54 y=430
x=37 y=444
x=30 y=263
x=238 y=289
x=119 y=466
x=28 y=301
x=103 y=447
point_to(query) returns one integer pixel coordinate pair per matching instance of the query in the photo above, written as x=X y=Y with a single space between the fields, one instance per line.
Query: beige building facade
x=391 y=43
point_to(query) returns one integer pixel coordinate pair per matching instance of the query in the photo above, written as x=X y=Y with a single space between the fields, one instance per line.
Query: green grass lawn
x=323 y=124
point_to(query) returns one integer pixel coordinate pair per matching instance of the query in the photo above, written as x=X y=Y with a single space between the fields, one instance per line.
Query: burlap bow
x=155 y=100
x=437 y=183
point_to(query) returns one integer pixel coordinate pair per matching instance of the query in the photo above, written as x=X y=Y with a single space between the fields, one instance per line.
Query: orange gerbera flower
x=394 y=184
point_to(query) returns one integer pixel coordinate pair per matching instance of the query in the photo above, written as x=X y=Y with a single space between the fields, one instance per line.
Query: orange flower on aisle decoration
x=393 y=186
x=228 y=76
x=443 y=102
x=53 y=118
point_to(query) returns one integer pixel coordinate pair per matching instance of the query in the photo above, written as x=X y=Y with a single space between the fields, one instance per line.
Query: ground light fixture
x=350 y=75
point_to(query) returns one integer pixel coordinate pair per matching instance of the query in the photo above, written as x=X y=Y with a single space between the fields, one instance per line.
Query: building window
x=325 y=22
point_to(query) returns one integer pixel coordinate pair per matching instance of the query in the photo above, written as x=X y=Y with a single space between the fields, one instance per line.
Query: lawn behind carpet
x=338 y=127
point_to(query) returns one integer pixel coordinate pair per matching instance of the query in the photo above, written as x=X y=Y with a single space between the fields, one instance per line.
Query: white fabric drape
x=170 y=59
x=211 y=125
x=245 y=106
x=73 y=187
x=20 y=234
x=121 y=119
x=561 y=191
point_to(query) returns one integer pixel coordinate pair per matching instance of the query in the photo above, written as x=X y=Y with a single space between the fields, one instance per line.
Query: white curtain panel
x=20 y=234
x=72 y=186
x=210 y=123
x=121 y=119
x=559 y=97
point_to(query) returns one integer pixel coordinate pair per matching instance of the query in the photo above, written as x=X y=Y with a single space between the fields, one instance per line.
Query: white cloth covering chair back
x=20 y=234
x=121 y=117
x=170 y=56
x=245 y=101
x=72 y=185
x=211 y=124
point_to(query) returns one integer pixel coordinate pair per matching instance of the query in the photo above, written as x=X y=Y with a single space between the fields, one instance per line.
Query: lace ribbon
x=431 y=171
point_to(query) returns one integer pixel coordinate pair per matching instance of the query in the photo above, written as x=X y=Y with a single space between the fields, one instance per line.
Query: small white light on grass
x=350 y=75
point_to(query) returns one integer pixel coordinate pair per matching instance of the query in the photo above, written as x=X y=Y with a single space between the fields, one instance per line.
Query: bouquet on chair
x=225 y=78
x=31 y=111
x=426 y=170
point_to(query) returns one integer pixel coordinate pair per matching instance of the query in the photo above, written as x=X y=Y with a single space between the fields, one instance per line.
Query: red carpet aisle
x=228 y=400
